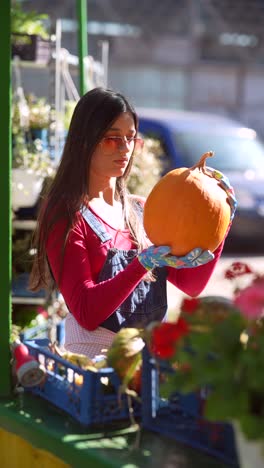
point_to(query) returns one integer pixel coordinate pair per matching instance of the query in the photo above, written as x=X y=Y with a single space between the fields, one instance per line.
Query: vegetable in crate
x=80 y=360
x=190 y=207
x=125 y=357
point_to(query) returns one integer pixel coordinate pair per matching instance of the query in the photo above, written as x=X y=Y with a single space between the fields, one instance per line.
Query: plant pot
x=40 y=134
x=31 y=48
x=250 y=452
x=26 y=188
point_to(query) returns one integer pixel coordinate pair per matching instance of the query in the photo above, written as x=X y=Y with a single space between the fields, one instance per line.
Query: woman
x=90 y=240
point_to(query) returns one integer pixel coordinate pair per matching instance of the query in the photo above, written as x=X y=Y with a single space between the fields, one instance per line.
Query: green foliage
x=31 y=156
x=29 y=22
x=222 y=353
x=69 y=108
x=30 y=112
x=39 y=112
x=23 y=316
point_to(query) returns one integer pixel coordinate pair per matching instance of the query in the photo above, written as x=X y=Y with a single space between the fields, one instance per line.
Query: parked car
x=239 y=154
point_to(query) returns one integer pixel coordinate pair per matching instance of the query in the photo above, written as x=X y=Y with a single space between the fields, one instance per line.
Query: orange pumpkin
x=187 y=208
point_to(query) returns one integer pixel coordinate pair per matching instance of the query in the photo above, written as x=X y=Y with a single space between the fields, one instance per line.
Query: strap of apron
x=95 y=224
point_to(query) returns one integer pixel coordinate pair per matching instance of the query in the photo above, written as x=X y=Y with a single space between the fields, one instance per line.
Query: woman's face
x=112 y=154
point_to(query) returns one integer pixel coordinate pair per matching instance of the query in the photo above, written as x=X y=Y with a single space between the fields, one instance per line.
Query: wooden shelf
x=32 y=64
x=21 y=294
x=24 y=224
x=29 y=300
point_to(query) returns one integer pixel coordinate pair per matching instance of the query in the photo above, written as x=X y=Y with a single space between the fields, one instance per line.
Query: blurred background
x=194 y=70
x=205 y=55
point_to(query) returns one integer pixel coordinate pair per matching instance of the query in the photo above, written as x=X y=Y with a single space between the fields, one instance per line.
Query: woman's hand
x=225 y=184
x=153 y=257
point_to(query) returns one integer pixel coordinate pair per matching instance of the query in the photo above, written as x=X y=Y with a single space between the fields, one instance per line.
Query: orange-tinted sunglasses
x=114 y=143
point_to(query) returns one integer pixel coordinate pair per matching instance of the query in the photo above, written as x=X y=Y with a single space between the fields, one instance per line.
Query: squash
x=187 y=208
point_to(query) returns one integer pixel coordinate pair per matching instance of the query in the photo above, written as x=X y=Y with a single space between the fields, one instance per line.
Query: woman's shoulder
x=62 y=223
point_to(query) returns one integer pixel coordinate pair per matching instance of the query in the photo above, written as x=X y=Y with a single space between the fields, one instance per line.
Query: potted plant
x=39 y=118
x=218 y=345
x=30 y=38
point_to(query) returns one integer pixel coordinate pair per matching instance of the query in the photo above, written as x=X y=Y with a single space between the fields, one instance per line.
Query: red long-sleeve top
x=90 y=302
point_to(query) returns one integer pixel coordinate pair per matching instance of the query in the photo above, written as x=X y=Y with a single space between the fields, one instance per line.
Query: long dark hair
x=94 y=114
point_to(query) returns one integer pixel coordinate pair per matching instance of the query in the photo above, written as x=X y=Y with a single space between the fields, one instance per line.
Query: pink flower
x=250 y=301
x=237 y=269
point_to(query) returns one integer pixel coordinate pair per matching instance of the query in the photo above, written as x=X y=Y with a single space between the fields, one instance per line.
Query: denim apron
x=148 y=301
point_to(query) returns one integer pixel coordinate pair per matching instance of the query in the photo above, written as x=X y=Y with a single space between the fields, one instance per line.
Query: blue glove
x=153 y=257
x=225 y=184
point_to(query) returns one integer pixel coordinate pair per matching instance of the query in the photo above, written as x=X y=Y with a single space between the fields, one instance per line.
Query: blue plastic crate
x=44 y=331
x=37 y=332
x=20 y=288
x=82 y=394
x=181 y=416
x=60 y=332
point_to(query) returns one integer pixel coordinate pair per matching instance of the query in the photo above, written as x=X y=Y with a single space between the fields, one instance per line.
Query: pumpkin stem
x=201 y=165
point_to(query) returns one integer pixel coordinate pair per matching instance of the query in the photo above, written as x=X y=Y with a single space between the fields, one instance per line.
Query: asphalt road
x=218 y=285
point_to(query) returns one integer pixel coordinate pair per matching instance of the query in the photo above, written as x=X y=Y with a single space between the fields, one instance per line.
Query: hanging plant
x=30 y=38
x=29 y=22
x=39 y=112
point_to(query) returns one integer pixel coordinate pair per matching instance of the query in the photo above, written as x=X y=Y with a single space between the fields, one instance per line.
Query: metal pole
x=82 y=41
x=58 y=108
x=5 y=184
x=105 y=59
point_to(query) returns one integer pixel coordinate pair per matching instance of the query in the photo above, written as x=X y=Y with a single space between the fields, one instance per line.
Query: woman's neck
x=106 y=197
x=111 y=212
x=103 y=192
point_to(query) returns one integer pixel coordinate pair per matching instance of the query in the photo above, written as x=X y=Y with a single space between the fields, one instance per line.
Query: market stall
x=33 y=430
